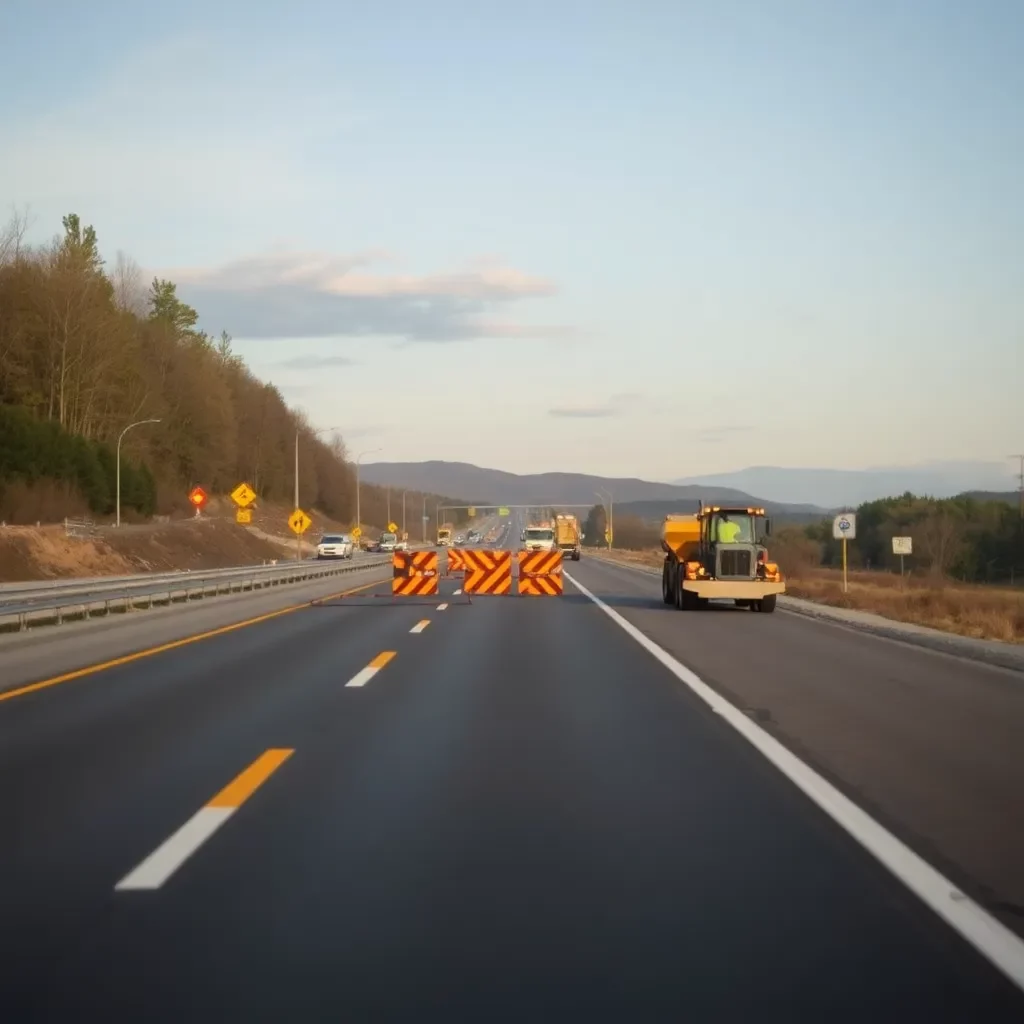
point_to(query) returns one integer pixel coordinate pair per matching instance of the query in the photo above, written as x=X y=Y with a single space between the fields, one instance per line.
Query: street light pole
x=359 y=457
x=404 y=529
x=137 y=423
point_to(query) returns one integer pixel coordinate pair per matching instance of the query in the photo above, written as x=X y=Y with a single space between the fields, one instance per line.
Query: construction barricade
x=487 y=571
x=415 y=574
x=456 y=563
x=540 y=573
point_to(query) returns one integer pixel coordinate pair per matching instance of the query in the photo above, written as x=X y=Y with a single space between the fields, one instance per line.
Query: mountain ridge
x=498 y=487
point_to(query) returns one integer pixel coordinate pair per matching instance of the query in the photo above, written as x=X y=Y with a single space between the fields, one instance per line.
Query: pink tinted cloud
x=341 y=275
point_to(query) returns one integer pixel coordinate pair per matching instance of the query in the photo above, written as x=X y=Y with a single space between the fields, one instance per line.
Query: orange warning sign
x=414 y=573
x=487 y=572
x=540 y=573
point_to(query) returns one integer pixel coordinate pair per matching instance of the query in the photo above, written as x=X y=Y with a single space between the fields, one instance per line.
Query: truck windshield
x=740 y=532
x=388 y=538
x=540 y=534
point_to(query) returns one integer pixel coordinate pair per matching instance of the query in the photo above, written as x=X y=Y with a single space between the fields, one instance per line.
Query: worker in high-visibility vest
x=728 y=532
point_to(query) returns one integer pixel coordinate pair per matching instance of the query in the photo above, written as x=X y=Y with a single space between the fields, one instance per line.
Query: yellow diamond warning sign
x=243 y=495
x=299 y=522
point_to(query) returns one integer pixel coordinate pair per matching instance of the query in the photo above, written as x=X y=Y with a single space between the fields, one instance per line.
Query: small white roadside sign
x=903 y=545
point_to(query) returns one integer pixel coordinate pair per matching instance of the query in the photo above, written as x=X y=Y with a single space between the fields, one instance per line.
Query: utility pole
x=404 y=530
x=298 y=536
x=424 y=520
x=1020 y=491
x=389 y=503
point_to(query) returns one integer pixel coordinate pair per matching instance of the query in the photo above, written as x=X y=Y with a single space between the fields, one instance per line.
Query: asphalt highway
x=500 y=810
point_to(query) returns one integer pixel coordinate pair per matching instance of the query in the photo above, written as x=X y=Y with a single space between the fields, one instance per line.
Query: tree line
x=963 y=538
x=980 y=541
x=86 y=349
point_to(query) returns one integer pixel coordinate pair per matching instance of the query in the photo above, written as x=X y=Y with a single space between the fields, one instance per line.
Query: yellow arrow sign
x=243 y=515
x=472 y=512
x=299 y=521
x=357 y=532
x=243 y=495
x=392 y=527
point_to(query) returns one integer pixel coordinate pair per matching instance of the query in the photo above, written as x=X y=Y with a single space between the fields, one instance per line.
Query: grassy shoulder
x=982 y=612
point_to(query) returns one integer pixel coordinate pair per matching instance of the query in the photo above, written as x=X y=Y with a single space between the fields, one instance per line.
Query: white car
x=335 y=545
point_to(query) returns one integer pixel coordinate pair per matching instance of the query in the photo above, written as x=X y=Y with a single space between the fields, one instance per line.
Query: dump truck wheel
x=666 y=586
x=766 y=604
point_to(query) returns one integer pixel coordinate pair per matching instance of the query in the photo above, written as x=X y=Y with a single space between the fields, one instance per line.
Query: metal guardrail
x=20 y=609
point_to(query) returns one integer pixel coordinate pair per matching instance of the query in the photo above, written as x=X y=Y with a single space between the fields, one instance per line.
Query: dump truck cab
x=719 y=553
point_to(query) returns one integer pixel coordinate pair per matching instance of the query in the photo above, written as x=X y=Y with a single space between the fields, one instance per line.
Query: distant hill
x=655 y=511
x=847 y=488
x=495 y=487
x=1010 y=497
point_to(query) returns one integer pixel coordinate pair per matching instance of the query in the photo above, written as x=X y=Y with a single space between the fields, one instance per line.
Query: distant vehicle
x=387 y=542
x=568 y=536
x=335 y=545
x=539 y=538
x=402 y=544
x=444 y=535
x=460 y=539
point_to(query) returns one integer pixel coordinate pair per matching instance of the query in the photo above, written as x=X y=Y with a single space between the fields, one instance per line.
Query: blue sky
x=649 y=238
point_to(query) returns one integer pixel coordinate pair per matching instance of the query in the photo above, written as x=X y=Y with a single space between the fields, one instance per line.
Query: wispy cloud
x=718 y=435
x=314 y=362
x=289 y=294
x=584 y=412
x=616 y=405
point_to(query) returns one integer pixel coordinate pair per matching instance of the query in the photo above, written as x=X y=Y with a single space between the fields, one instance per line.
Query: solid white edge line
x=441 y=607
x=420 y=626
x=363 y=676
x=991 y=938
x=173 y=852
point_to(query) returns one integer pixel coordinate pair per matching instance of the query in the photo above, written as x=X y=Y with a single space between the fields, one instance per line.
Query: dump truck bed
x=680 y=536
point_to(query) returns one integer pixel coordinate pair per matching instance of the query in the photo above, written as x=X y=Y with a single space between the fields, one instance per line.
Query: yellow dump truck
x=444 y=535
x=567 y=536
x=718 y=553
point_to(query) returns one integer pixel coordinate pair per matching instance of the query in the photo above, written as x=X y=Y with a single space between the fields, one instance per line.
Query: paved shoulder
x=928 y=743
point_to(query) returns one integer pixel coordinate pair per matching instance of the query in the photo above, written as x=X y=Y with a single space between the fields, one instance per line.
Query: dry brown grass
x=986 y=613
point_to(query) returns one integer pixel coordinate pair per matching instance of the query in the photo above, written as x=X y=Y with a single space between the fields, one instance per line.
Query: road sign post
x=902 y=546
x=844 y=528
x=197 y=496
x=299 y=523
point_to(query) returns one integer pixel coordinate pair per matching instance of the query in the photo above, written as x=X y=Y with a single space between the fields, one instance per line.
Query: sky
x=651 y=239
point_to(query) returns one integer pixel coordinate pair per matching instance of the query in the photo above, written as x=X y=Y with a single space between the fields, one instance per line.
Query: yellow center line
x=127 y=659
x=236 y=792
x=382 y=659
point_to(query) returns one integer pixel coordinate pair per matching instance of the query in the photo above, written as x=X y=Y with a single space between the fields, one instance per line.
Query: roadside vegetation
x=966 y=575
x=87 y=348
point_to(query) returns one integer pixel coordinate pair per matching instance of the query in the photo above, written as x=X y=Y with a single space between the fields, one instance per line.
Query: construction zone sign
x=540 y=573
x=414 y=574
x=488 y=571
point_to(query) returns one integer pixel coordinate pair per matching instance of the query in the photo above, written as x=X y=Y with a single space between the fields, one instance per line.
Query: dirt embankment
x=31 y=553
x=974 y=610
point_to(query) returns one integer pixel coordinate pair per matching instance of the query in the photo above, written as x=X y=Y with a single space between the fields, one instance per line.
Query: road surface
x=516 y=813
